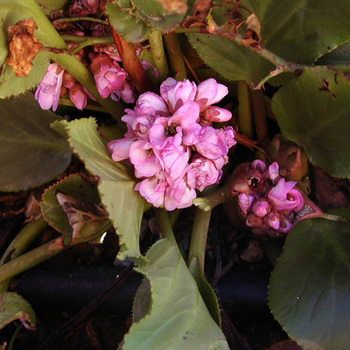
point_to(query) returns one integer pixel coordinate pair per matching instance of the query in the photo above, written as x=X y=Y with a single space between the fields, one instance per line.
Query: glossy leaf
x=131 y=28
x=13 y=307
x=31 y=153
x=73 y=185
x=310 y=284
x=300 y=31
x=313 y=111
x=178 y=317
x=116 y=185
x=159 y=16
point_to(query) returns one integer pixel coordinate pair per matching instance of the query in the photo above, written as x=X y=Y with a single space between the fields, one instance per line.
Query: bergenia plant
x=199 y=141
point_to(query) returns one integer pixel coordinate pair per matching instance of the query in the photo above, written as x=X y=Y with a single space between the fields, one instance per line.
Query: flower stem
x=245 y=120
x=158 y=54
x=92 y=39
x=132 y=64
x=30 y=259
x=20 y=243
x=260 y=121
x=75 y=19
x=176 y=60
x=164 y=225
x=199 y=238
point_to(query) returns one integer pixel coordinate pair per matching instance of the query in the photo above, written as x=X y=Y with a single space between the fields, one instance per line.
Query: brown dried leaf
x=201 y=9
x=86 y=219
x=174 y=6
x=252 y=36
x=23 y=46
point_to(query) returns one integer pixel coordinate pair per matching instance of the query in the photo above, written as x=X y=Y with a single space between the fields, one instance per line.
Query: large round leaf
x=31 y=152
x=310 y=285
x=313 y=111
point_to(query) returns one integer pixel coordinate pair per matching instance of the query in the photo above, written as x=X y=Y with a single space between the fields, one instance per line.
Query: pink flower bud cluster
x=111 y=80
x=271 y=203
x=172 y=144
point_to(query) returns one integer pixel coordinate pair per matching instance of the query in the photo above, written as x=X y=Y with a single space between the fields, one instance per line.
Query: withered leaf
x=201 y=9
x=252 y=36
x=88 y=220
x=23 y=46
x=174 y=6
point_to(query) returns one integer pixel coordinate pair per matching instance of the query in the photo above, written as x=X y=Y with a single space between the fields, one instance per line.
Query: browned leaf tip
x=201 y=9
x=174 y=6
x=252 y=36
x=23 y=46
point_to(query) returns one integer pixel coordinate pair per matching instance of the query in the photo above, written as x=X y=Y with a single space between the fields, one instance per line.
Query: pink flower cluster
x=172 y=144
x=271 y=203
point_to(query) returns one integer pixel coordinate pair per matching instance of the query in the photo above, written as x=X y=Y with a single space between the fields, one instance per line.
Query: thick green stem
x=20 y=244
x=164 y=225
x=245 y=119
x=199 y=238
x=176 y=60
x=157 y=50
x=259 y=113
x=30 y=259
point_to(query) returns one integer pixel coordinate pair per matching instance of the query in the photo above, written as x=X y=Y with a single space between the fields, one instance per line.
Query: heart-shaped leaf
x=31 y=152
x=178 y=317
x=313 y=111
x=310 y=285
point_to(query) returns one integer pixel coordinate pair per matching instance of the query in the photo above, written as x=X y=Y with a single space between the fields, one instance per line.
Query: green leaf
x=116 y=186
x=310 y=285
x=131 y=28
x=156 y=15
x=11 y=85
x=31 y=153
x=74 y=186
x=13 y=307
x=313 y=111
x=10 y=13
x=299 y=31
x=53 y=4
x=207 y=292
x=341 y=55
x=232 y=61
x=178 y=317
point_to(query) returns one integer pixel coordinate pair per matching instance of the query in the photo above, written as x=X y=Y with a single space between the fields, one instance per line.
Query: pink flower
x=48 y=91
x=261 y=208
x=172 y=152
x=176 y=93
x=202 y=172
x=216 y=115
x=108 y=75
x=78 y=96
x=143 y=158
x=283 y=196
x=150 y=103
x=120 y=149
x=245 y=202
x=210 y=92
